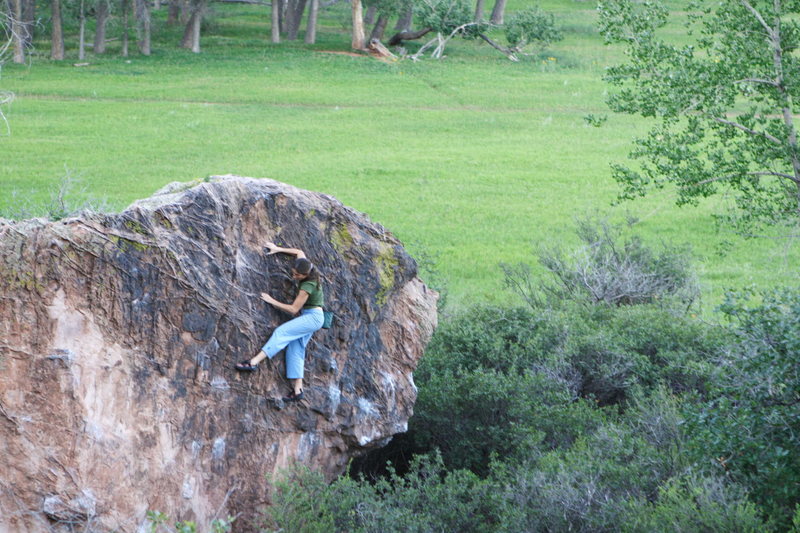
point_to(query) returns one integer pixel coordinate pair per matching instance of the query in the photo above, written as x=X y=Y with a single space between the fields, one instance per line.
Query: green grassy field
x=472 y=160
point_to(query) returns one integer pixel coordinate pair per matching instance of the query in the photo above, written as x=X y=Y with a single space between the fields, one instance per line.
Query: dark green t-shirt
x=315 y=296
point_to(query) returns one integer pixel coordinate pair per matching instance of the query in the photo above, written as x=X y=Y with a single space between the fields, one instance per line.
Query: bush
x=586 y=487
x=691 y=503
x=516 y=383
x=474 y=416
x=508 y=340
x=748 y=426
x=427 y=498
x=609 y=269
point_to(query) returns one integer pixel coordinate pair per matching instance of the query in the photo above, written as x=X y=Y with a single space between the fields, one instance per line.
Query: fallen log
x=398 y=38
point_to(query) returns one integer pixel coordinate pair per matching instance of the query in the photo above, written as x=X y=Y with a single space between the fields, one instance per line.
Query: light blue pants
x=294 y=336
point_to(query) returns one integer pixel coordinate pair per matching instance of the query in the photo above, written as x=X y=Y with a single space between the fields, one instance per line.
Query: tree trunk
x=358 y=25
x=191 y=35
x=28 y=21
x=276 y=21
x=185 y=11
x=142 y=9
x=479 y=6
x=287 y=12
x=295 y=16
x=17 y=30
x=100 y=27
x=404 y=21
x=173 y=12
x=82 y=30
x=380 y=28
x=282 y=12
x=157 y=5
x=57 y=36
x=369 y=17
x=508 y=52
x=311 y=27
x=398 y=38
x=498 y=13
x=124 y=8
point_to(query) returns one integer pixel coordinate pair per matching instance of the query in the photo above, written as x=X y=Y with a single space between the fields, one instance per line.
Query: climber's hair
x=306 y=268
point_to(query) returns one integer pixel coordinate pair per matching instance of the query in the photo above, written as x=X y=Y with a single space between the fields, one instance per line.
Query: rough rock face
x=118 y=335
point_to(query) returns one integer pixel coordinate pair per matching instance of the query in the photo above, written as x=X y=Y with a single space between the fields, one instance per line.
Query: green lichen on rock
x=136 y=227
x=163 y=221
x=387 y=264
x=11 y=278
x=128 y=245
x=341 y=239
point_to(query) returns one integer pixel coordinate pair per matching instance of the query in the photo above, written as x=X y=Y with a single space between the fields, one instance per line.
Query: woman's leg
x=295 y=362
x=260 y=356
x=299 y=327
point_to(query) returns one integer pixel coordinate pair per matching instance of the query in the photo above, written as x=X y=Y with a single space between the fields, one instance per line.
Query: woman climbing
x=294 y=334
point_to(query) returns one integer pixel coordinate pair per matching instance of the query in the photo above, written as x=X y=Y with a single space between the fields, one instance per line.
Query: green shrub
x=476 y=415
x=585 y=487
x=301 y=502
x=748 y=426
x=609 y=268
x=507 y=340
x=689 y=504
x=514 y=382
x=158 y=522
x=615 y=349
x=428 y=498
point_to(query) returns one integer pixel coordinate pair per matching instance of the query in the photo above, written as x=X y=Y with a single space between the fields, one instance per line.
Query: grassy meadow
x=471 y=161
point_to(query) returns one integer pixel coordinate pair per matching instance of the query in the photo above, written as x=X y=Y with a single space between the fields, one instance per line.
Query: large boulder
x=118 y=336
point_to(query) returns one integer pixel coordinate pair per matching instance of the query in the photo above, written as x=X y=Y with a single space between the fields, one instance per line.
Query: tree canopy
x=723 y=105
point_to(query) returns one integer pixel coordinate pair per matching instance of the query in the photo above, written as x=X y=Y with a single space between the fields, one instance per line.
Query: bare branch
x=762 y=173
x=758 y=16
x=748 y=130
x=507 y=51
x=771 y=83
x=776 y=174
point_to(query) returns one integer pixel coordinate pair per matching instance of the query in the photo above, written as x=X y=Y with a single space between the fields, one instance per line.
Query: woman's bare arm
x=292 y=308
x=275 y=249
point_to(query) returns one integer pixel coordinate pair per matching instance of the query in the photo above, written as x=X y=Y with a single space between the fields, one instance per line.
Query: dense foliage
x=722 y=104
x=532 y=27
x=580 y=415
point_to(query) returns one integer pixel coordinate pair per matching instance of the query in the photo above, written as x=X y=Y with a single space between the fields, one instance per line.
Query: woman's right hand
x=267 y=298
x=272 y=247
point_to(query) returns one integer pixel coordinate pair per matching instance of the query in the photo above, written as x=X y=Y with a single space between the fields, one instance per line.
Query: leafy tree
x=529 y=27
x=532 y=28
x=723 y=105
x=448 y=18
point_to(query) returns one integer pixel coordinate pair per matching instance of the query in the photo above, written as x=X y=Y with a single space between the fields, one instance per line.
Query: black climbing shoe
x=245 y=366
x=293 y=397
